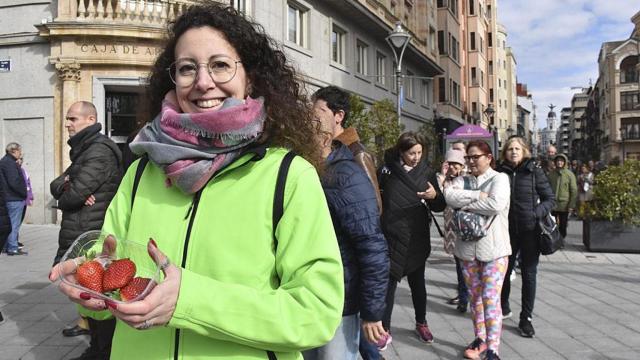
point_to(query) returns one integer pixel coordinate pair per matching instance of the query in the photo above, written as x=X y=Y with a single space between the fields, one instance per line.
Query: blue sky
x=556 y=43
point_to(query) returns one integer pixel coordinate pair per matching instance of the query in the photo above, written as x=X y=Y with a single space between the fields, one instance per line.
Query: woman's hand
x=483 y=195
x=68 y=269
x=373 y=330
x=428 y=194
x=157 y=308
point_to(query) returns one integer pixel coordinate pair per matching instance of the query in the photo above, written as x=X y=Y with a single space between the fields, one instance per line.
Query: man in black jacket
x=15 y=193
x=84 y=191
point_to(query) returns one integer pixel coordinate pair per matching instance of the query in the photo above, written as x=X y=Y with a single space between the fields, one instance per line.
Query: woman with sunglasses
x=531 y=199
x=484 y=262
x=236 y=284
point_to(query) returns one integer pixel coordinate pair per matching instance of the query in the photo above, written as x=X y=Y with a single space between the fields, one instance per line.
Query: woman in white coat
x=484 y=261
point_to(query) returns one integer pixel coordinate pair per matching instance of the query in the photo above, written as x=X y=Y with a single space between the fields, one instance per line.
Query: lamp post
x=623 y=136
x=489 y=112
x=509 y=132
x=444 y=141
x=398 y=40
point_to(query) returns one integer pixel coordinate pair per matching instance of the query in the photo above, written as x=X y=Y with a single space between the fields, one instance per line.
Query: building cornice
x=21 y=39
x=101 y=29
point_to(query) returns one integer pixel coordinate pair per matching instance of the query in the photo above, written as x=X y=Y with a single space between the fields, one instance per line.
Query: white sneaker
x=507 y=315
x=512 y=277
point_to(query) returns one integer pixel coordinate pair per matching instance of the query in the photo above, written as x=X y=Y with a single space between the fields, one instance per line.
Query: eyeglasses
x=221 y=69
x=474 y=157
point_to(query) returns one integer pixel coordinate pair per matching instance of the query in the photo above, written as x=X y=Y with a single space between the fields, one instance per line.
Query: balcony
x=129 y=18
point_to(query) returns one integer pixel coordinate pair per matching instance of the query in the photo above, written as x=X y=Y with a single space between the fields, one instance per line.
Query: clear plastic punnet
x=106 y=250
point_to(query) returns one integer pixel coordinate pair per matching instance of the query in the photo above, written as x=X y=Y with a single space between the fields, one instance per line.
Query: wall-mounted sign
x=5 y=65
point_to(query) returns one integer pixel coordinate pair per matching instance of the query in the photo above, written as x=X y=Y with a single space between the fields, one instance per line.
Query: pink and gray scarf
x=192 y=147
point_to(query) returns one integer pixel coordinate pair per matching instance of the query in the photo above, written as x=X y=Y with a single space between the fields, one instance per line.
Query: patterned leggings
x=484 y=280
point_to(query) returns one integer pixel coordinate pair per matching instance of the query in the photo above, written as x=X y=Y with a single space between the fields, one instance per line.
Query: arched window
x=629 y=70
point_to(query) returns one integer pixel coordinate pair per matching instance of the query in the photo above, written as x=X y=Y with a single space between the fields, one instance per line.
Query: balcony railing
x=126 y=11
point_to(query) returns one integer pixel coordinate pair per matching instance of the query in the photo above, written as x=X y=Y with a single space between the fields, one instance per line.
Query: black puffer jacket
x=354 y=211
x=405 y=220
x=5 y=222
x=95 y=170
x=12 y=179
x=525 y=211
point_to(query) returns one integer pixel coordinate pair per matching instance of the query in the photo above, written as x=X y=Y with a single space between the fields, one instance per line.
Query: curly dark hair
x=289 y=122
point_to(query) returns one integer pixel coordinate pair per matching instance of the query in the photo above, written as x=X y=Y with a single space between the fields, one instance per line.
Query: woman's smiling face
x=199 y=45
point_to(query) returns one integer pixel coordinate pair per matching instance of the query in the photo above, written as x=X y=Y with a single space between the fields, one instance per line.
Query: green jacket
x=231 y=304
x=563 y=183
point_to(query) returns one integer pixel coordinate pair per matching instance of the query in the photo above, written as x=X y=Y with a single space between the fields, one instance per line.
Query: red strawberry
x=134 y=288
x=89 y=275
x=118 y=274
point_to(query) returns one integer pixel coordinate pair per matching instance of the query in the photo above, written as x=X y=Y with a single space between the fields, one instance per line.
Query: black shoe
x=462 y=308
x=17 y=252
x=453 y=301
x=491 y=355
x=1 y=318
x=75 y=331
x=20 y=245
x=526 y=329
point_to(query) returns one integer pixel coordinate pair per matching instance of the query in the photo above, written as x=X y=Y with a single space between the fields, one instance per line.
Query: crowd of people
x=308 y=270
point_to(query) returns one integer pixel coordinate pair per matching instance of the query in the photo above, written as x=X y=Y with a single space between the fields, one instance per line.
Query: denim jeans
x=15 y=209
x=344 y=344
x=526 y=243
x=369 y=351
x=463 y=292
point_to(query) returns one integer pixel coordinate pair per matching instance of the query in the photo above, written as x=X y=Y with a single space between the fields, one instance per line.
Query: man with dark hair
x=84 y=191
x=15 y=194
x=331 y=105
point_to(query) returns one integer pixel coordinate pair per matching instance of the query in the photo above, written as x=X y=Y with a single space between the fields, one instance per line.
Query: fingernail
x=153 y=242
x=85 y=296
x=111 y=304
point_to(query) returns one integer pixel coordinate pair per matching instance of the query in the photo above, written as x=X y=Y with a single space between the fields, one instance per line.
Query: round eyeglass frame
x=171 y=70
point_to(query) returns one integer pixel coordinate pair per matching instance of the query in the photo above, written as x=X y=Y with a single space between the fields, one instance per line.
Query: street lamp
x=490 y=112
x=509 y=132
x=623 y=137
x=444 y=141
x=398 y=40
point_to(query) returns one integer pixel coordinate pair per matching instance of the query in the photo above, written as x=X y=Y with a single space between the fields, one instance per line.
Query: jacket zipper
x=193 y=209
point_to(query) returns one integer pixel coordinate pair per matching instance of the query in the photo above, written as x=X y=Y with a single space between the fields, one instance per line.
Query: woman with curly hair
x=239 y=281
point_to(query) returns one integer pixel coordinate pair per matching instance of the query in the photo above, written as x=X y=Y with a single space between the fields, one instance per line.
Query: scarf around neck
x=192 y=147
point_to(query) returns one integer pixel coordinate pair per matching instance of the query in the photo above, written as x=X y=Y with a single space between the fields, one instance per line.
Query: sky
x=556 y=43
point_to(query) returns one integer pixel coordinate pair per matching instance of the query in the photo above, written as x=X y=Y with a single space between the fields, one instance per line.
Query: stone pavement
x=587 y=307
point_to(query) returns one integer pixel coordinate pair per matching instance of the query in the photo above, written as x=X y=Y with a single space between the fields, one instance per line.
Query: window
x=243 y=6
x=628 y=72
x=490 y=95
x=472 y=40
x=455 y=93
x=472 y=9
x=453 y=6
x=441 y=46
x=409 y=85
x=481 y=78
x=426 y=92
x=361 y=57
x=474 y=77
x=297 y=24
x=432 y=39
x=489 y=11
x=481 y=47
x=442 y=96
x=628 y=100
x=489 y=39
x=442 y=3
x=381 y=70
x=454 y=48
x=474 y=109
x=491 y=67
x=338 y=42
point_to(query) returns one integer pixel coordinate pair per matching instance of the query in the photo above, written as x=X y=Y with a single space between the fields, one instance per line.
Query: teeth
x=208 y=103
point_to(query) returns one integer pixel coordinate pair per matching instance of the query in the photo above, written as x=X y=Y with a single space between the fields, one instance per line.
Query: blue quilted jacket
x=355 y=215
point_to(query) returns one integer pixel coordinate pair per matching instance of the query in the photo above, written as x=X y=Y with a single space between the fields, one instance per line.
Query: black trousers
x=527 y=244
x=563 y=218
x=418 y=288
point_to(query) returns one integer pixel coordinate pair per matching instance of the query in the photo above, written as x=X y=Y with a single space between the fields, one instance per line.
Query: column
x=69 y=74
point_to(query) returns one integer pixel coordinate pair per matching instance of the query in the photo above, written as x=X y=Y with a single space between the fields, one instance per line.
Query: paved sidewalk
x=588 y=307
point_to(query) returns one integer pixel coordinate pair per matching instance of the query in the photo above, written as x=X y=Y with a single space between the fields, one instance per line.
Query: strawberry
x=89 y=275
x=118 y=274
x=134 y=288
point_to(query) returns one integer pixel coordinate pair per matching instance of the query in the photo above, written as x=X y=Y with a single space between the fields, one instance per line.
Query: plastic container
x=106 y=248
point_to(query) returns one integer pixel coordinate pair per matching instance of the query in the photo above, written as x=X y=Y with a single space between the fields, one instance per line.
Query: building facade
x=562 y=140
x=577 y=120
x=548 y=135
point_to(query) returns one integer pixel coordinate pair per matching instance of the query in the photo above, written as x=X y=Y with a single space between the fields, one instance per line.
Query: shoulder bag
x=468 y=225
x=549 y=238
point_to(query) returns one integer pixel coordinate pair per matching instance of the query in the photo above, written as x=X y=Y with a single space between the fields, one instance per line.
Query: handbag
x=549 y=238
x=470 y=226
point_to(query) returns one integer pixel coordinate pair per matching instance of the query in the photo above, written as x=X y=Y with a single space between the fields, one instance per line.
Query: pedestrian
x=408 y=192
x=456 y=161
x=15 y=195
x=531 y=199
x=565 y=188
x=83 y=192
x=331 y=106
x=484 y=261
x=354 y=211
x=29 y=200
x=585 y=186
x=239 y=280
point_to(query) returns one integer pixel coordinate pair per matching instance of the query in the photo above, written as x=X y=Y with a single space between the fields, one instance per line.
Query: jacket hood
x=565 y=157
x=348 y=136
x=339 y=153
